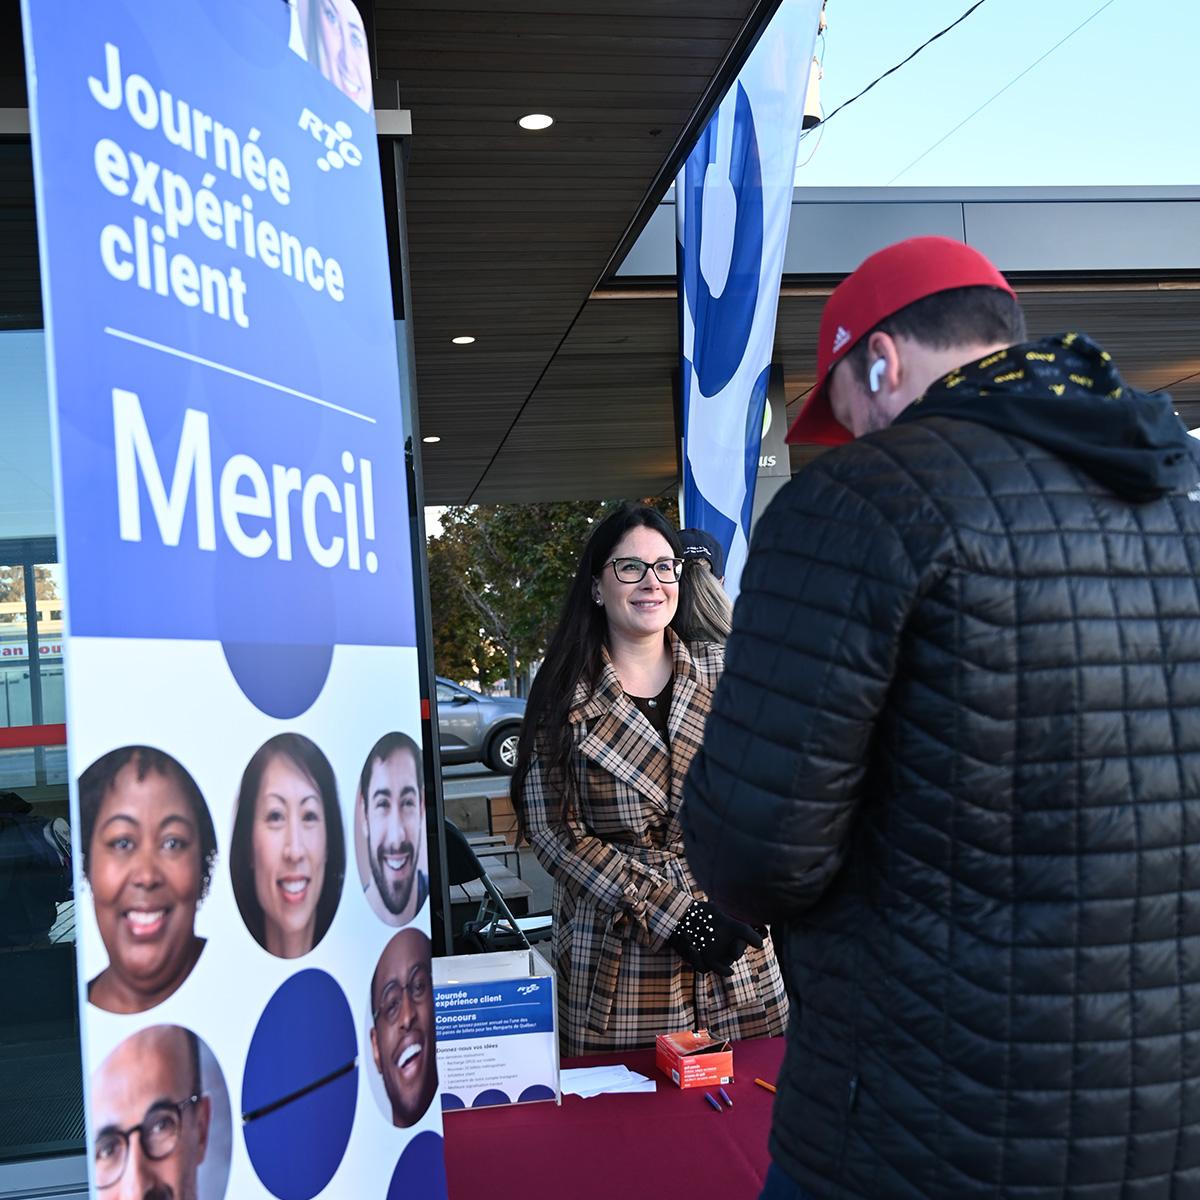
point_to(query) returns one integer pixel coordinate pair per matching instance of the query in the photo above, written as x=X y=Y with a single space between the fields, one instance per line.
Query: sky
x=1116 y=104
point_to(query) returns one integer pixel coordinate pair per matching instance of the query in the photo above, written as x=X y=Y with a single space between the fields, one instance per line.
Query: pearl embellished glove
x=708 y=940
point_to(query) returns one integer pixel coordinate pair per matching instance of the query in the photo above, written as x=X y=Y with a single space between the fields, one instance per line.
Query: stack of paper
x=595 y=1081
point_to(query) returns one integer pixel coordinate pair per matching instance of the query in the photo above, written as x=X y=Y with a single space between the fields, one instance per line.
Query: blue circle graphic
x=281 y=681
x=450 y=1102
x=492 y=1096
x=300 y=1086
x=421 y=1170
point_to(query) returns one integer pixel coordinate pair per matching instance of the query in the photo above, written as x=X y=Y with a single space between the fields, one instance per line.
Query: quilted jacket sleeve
x=637 y=898
x=771 y=796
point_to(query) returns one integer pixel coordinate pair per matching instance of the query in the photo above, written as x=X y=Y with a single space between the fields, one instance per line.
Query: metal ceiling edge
x=389 y=122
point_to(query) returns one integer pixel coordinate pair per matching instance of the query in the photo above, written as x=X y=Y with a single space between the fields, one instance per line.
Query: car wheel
x=502 y=750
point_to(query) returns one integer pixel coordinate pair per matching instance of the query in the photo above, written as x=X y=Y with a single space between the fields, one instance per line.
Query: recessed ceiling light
x=536 y=121
x=433 y=437
x=465 y=340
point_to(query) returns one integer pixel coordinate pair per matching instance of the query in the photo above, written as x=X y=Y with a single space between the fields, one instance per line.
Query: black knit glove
x=708 y=940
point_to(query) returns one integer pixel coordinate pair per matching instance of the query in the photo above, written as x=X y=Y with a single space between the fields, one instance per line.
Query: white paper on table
x=596 y=1081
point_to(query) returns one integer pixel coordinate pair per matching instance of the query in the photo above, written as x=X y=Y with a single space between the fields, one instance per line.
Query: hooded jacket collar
x=1064 y=393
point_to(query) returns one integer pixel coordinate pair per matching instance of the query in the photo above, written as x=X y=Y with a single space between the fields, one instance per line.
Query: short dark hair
x=375 y=974
x=381 y=752
x=307 y=757
x=100 y=778
x=966 y=316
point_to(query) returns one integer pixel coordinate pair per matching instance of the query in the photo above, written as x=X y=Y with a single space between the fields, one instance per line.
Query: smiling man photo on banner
x=155 y=1122
x=403 y=1041
x=391 y=829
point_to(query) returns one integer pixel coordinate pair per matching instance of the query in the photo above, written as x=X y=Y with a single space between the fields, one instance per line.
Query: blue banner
x=242 y=682
x=733 y=200
x=228 y=418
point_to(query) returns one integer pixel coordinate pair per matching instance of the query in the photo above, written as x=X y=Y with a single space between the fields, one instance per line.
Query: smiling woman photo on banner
x=287 y=856
x=148 y=854
x=334 y=39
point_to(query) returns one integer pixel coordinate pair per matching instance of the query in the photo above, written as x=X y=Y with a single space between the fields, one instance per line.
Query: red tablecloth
x=666 y=1145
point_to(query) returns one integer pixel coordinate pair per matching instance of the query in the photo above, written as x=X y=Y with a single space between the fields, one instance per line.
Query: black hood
x=1064 y=393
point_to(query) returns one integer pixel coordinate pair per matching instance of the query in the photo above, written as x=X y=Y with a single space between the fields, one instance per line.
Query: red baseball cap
x=891 y=279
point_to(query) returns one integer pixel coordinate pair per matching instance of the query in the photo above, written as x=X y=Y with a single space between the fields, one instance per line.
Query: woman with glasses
x=615 y=715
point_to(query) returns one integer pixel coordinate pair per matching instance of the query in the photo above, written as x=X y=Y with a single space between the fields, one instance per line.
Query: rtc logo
x=339 y=150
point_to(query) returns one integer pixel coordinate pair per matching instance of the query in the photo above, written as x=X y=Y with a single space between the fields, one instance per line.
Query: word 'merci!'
x=173 y=204
x=268 y=504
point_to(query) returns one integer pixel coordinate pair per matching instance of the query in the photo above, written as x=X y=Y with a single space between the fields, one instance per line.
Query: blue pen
x=709 y=1097
x=725 y=1096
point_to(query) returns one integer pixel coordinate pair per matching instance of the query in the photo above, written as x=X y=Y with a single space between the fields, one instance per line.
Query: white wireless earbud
x=877 y=369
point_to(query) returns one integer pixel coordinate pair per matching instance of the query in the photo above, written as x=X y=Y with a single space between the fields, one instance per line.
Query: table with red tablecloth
x=665 y=1144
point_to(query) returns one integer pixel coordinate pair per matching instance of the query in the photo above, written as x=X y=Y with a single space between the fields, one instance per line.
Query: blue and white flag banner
x=251 y=873
x=733 y=199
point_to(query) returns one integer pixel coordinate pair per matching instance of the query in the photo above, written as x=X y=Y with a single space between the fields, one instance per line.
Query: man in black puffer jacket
x=955 y=759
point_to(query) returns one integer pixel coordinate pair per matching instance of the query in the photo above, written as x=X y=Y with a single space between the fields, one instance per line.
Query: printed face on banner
x=233 y=508
x=156 y=1121
x=403 y=1036
x=287 y=855
x=148 y=857
x=391 y=829
x=335 y=41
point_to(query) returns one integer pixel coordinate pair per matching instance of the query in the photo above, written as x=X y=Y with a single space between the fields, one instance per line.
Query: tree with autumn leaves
x=498 y=574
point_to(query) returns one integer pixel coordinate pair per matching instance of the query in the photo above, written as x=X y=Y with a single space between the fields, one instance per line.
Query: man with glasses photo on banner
x=403 y=1037
x=154 y=1123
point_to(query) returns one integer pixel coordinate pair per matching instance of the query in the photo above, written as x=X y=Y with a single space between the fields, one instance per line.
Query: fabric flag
x=733 y=199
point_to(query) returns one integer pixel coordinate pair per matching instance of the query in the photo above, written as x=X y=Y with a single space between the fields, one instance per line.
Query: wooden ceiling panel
x=601 y=421
x=510 y=231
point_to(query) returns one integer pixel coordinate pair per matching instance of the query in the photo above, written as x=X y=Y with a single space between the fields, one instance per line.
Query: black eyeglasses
x=393 y=995
x=159 y=1132
x=633 y=570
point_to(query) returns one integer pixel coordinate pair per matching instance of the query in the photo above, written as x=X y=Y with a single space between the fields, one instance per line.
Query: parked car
x=477 y=728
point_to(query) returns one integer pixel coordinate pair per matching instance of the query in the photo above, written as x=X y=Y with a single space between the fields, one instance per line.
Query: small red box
x=693 y=1059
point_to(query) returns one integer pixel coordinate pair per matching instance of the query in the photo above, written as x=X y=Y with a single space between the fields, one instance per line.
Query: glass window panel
x=41 y=1086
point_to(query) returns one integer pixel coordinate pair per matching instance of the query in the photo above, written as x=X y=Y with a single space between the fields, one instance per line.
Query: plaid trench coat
x=621 y=882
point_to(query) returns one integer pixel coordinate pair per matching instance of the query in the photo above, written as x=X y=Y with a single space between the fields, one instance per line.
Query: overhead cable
x=1001 y=92
x=893 y=70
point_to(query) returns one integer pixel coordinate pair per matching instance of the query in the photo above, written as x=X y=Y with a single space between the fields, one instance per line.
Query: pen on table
x=725 y=1096
x=709 y=1097
x=764 y=1084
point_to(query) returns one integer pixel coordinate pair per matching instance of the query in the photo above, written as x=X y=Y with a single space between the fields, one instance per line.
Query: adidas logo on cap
x=840 y=338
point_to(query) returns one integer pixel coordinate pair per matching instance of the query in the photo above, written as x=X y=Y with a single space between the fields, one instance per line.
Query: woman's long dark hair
x=307 y=758
x=574 y=655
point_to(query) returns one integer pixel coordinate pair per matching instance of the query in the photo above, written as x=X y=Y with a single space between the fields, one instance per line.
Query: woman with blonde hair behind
x=705 y=611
